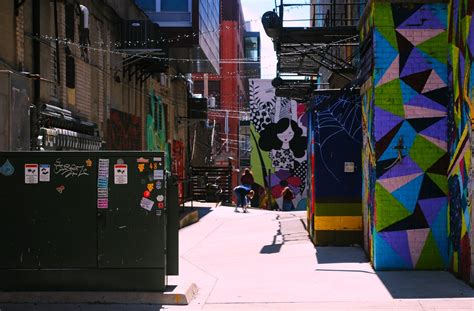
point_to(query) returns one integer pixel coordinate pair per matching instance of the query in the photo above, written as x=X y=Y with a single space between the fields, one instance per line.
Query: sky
x=253 y=11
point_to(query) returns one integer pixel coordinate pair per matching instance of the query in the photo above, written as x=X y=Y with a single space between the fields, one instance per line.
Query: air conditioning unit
x=15 y=101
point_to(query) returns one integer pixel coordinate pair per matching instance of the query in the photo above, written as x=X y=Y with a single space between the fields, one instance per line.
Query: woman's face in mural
x=286 y=135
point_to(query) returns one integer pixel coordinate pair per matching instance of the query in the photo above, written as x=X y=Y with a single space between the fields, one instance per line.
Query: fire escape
x=325 y=47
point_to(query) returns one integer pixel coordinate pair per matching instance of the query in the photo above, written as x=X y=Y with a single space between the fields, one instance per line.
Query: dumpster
x=87 y=221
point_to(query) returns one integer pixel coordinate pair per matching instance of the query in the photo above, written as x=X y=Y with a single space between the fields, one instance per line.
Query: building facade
x=227 y=92
x=84 y=68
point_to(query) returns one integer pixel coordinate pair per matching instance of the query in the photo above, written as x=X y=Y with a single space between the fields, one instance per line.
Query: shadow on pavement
x=424 y=284
x=291 y=229
x=79 y=307
x=203 y=211
x=338 y=254
x=271 y=249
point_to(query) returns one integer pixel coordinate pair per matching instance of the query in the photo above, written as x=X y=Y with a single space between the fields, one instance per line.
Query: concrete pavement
x=263 y=260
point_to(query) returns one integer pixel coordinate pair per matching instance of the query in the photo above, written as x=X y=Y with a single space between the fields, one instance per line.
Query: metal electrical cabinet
x=87 y=221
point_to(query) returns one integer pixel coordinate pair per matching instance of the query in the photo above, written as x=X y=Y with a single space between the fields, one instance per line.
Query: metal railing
x=325 y=13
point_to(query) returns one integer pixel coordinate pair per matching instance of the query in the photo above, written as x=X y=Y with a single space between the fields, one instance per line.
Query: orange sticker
x=141 y=167
x=88 y=162
x=149 y=187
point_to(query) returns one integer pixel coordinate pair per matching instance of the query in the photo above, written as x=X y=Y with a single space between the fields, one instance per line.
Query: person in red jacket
x=247 y=178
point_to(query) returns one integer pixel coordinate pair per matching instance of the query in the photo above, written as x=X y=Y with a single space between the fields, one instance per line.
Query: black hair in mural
x=269 y=139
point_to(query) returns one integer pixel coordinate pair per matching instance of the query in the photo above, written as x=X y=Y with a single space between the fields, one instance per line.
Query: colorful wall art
x=123 y=131
x=335 y=157
x=405 y=120
x=278 y=134
x=156 y=128
x=461 y=74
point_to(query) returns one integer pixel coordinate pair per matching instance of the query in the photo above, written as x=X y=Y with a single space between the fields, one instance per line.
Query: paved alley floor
x=263 y=260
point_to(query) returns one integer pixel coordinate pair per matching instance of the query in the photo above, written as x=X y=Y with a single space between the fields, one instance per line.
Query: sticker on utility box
x=120 y=174
x=146 y=204
x=45 y=173
x=31 y=173
x=158 y=174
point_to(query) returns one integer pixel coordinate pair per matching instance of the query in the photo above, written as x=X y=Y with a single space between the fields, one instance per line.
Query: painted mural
x=278 y=134
x=335 y=157
x=405 y=132
x=178 y=167
x=156 y=127
x=124 y=131
x=461 y=39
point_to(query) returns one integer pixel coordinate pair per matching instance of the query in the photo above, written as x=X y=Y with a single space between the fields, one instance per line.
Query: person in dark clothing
x=288 y=197
x=243 y=194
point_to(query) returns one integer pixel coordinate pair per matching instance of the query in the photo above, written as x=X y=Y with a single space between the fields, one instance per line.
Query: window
x=164 y=5
x=147 y=5
x=168 y=13
x=174 y=5
x=251 y=48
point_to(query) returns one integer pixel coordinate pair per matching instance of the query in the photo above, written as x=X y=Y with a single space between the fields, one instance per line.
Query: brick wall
x=84 y=88
x=9 y=32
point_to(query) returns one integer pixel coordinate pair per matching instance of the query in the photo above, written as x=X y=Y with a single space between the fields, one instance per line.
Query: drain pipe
x=36 y=48
x=56 y=34
x=36 y=45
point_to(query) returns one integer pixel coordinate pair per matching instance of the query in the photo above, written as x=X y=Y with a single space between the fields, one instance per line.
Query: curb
x=177 y=297
x=189 y=219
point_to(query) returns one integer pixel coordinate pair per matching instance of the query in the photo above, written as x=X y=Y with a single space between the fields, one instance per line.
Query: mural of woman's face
x=286 y=135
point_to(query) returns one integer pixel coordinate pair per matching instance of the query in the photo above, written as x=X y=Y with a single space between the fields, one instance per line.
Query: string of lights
x=65 y=41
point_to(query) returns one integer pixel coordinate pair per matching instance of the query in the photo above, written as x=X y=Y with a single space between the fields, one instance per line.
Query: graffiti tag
x=69 y=170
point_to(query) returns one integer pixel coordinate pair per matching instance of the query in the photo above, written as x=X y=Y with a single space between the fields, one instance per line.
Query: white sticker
x=158 y=174
x=146 y=204
x=120 y=174
x=157 y=159
x=103 y=184
x=160 y=198
x=31 y=173
x=45 y=173
x=349 y=167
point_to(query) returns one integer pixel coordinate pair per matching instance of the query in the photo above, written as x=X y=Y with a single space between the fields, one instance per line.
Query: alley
x=264 y=260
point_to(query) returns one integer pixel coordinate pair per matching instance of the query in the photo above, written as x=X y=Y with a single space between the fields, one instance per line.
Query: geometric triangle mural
x=410 y=112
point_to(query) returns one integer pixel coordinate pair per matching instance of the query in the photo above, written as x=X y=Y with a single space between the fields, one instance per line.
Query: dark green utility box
x=87 y=221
